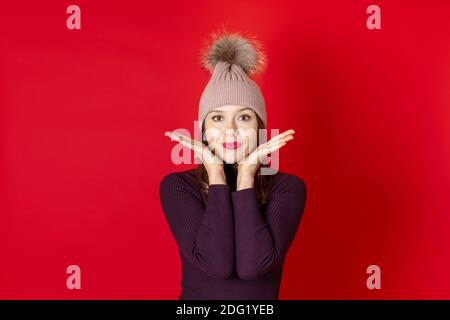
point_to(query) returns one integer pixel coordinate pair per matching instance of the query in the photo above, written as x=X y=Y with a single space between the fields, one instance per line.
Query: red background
x=83 y=112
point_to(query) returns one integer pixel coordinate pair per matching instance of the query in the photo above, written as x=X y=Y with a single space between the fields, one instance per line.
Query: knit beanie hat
x=232 y=59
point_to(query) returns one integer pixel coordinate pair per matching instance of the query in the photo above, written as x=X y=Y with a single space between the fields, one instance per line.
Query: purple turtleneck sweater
x=229 y=247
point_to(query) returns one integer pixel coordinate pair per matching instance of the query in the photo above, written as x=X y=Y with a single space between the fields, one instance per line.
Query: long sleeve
x=262 y=240
x=203 y=233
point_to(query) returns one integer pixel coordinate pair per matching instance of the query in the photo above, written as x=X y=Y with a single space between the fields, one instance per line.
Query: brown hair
x=262 y=183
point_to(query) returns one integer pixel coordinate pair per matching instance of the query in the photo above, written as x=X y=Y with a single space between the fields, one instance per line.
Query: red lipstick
x=231 y=145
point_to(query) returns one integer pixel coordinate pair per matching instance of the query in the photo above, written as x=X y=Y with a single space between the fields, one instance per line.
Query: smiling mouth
x=231 y=145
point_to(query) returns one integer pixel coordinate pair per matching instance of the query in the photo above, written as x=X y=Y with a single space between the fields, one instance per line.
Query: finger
x=283 y=139
x=172 y=135
x=247 y=145
x=186 y=144
x=273 y=147
x=276 y=147
x=283 y=134
x=204 y=154
x=182 y=137
x=186 y=138
x=201 y=152
x=209 y=158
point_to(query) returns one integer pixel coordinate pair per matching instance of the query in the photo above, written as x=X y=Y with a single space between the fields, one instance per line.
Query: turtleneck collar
x=231 y=171
x=231 y=167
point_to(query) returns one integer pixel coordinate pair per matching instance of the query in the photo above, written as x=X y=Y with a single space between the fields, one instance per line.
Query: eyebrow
x=220 y=111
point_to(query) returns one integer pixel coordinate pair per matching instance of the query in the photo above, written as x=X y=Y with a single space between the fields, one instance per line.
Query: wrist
x=217 y=177
x=245 y=180
x=247 y=173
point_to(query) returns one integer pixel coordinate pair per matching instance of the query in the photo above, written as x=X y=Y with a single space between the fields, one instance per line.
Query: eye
x=245 y=117
x=215 y=118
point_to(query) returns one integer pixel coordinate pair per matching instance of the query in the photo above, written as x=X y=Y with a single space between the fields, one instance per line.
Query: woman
x=233 y=225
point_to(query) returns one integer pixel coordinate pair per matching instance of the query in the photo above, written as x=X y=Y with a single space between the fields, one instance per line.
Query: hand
x=213 y=165
x=250 y=164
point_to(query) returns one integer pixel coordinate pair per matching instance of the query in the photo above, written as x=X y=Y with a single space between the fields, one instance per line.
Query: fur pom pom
x=234 y=48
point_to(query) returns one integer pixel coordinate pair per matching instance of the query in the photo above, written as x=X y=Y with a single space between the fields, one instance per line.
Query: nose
x=231 y=129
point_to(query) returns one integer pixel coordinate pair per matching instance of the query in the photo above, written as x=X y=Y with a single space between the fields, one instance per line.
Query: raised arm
x=263 y=238
x=204 y=234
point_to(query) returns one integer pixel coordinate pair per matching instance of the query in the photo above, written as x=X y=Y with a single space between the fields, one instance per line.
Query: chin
x=231 y=157
x=229 y=160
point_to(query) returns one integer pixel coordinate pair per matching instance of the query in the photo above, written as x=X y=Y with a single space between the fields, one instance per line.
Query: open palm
x=201 y=152
x=252 y=162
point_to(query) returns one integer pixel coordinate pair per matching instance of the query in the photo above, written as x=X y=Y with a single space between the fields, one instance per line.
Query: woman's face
x=226 y=130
